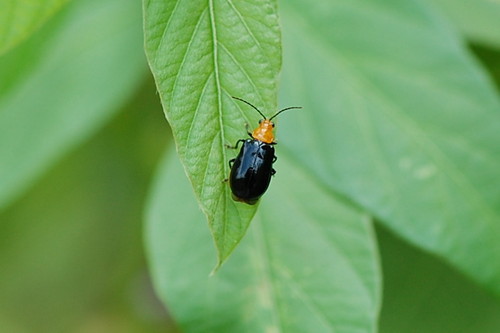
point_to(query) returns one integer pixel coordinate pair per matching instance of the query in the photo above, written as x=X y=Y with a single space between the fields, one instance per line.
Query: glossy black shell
x=251 y=171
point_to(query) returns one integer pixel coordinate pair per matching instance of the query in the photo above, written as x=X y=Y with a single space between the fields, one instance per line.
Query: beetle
x=252 y=169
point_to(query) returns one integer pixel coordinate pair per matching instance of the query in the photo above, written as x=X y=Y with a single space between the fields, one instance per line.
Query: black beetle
x=252 y=169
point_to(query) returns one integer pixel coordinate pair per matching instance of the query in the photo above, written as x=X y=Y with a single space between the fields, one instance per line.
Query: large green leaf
x=478 y=19
x=18 y=19
x=308 y=264
x=401 y=120
x=201 y=53
x=64 y=83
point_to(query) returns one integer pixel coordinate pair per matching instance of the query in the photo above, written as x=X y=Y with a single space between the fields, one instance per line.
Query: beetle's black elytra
x=252 y=169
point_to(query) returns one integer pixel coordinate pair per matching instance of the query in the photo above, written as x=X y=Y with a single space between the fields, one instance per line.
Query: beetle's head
x=264 y=132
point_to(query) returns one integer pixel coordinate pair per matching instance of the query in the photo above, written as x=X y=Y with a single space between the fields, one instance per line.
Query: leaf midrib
x=221 y=251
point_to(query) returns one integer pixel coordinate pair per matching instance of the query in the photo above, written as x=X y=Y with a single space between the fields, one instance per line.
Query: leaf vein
x=198 y=103
x=245 y=72
x=181 y=66
x=165 y=30
x=215 y=44
x=238 y=13
x=207 y=167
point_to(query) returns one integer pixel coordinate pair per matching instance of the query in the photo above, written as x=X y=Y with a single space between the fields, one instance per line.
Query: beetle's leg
x=225 y=180
x=231 y=162
x=236 y=145
x=248 y=131
x=275 y=158
x=273 y=172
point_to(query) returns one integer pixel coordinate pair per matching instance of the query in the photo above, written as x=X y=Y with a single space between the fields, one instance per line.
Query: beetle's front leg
x=248 y=130
x=236 y=145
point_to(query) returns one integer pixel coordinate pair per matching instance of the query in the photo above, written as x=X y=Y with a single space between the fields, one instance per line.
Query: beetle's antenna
x=239 y=99
x=289 y=108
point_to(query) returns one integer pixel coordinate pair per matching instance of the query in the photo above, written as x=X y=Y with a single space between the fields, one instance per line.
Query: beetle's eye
x=273 y=124
x=260 y=121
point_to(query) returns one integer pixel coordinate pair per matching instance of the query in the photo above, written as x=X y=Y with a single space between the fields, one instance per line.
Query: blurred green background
x=71 y=248
x=72 y=257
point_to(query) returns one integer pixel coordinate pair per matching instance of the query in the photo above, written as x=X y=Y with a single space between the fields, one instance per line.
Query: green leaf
x=63 y=84
x=479 y=20
x=308 y=264
x=201 y=53
x=401 y=120
x=19 y=19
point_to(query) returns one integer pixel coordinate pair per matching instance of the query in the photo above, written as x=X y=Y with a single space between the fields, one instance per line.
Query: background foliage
x=401 y=127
